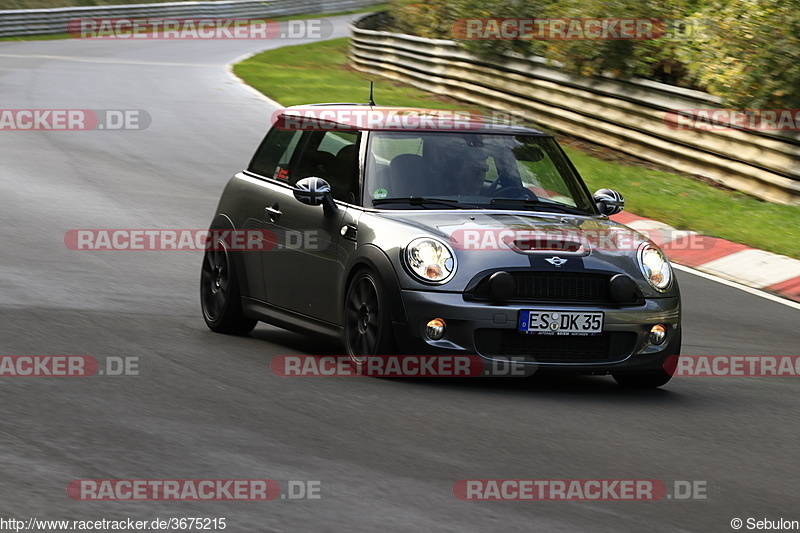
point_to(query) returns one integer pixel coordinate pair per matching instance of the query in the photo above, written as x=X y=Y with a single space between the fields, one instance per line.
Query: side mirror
x=315 y=191
x=609 y=202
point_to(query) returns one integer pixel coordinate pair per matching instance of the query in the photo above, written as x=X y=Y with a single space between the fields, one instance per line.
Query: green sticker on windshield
x=380 y=193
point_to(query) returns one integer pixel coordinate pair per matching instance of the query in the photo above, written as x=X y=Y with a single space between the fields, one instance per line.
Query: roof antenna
x=371 y=99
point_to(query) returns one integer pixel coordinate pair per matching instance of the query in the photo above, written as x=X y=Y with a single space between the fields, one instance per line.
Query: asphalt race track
x=387 y=453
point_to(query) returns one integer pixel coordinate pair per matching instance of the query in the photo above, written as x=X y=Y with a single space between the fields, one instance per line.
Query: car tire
x=367 y=320
x=220 y=297
x=643 y=380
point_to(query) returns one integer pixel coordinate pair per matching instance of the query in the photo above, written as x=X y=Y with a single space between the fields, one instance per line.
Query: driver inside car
x=466 y=171
x=470 y=168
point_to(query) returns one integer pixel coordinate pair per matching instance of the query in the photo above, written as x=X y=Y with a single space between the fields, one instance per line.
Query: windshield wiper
x=421 y=201
x=539 y=204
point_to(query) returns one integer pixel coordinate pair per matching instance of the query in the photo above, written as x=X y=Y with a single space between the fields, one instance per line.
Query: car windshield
x=418 y=170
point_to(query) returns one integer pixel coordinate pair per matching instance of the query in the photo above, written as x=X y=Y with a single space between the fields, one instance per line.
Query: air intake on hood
x=546 y=244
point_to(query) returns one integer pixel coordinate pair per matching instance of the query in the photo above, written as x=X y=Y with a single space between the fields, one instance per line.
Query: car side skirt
x=290 y=320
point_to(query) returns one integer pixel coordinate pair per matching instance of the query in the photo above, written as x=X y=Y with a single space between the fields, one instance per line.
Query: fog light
x=658 y=334
x=434 y=330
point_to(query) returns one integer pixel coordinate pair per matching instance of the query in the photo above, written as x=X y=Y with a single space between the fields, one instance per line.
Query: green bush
x=749 y=53
x=746 y=51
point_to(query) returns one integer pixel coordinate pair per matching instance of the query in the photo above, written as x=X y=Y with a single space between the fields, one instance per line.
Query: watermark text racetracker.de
x=579 y=490
x=733 y=365
x=70 y=366
x=194 y=239
x=74 y=119
x=611 y=238
x=198 y=28
x=725 y=119
x=193 y=490
x=401 y=366
x=316 y=118
x=280 y=239
x=578 y=29
x=311 y=118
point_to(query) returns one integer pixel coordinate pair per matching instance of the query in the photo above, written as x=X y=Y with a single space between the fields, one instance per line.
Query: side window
x=332 y=156
x=275 y=153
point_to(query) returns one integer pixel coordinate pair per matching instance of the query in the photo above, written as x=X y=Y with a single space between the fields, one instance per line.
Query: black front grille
x=552 y=286
x=606 y=347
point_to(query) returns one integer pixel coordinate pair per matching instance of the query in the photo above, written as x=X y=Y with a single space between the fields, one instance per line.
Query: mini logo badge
x=556 y=261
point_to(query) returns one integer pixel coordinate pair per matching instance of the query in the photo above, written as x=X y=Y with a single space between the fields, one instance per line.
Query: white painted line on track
x=756 y=268
x=745 y=288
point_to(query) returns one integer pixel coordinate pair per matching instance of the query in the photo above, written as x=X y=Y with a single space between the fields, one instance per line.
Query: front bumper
x=490 y=331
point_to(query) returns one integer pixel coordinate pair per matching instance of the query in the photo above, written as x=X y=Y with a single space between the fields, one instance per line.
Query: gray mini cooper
x=410 y=231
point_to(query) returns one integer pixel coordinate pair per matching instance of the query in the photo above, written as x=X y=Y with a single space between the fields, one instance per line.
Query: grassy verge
x=686 y=203
x=47 y=37
x=318 y=72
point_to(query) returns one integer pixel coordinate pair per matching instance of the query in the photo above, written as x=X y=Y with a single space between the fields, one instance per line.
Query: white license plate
x=561 y=322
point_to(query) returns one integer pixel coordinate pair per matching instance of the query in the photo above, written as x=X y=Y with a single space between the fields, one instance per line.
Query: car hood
x=525 y=232
x=486 y=240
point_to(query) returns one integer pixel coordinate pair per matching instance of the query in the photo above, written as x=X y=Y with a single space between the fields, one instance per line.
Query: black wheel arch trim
x=372 y=257
x=223 y=222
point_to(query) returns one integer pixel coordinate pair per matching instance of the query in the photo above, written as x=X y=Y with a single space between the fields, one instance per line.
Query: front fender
x=371 y=257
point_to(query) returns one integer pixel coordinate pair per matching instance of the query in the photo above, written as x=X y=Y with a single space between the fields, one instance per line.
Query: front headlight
x=430 y=260
x=655 y=267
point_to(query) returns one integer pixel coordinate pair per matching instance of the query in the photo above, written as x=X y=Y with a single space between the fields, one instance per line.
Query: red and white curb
x=729 y=260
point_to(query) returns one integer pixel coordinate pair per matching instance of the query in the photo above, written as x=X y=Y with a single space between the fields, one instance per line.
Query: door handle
x=274 y=211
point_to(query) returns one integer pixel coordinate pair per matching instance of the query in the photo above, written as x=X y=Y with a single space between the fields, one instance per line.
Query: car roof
x=366 y=117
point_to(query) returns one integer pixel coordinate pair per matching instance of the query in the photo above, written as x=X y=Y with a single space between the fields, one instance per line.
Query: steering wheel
x=496 y=189
x=514 y=191
x=492 y=188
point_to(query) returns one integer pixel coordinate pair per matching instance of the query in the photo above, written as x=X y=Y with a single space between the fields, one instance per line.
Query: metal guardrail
x=626 y=115
x=16 y=22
